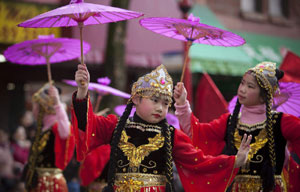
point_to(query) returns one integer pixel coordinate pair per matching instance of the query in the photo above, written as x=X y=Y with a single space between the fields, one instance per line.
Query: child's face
x=151 y=109
x=249 y=91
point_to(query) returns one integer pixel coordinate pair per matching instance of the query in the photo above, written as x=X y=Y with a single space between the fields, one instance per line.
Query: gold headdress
x=43 y=99
x=157 y=82
x=265 y=74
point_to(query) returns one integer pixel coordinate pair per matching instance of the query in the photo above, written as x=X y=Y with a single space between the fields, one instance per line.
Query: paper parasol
x=288 y=101
x=192 y=31
x=172 y=119
x=101 y=88
x=78 y=13
x=45 y=50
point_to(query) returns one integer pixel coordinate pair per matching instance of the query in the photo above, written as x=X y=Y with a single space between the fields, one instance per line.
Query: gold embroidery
x=252 y=183
x=135 y=155
x=260 y=141
x=43 y=141
x=132 y=182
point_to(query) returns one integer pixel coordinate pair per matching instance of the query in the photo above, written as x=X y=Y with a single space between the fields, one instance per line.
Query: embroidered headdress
x=265 y=74
x=157 y=82
x=43 y=99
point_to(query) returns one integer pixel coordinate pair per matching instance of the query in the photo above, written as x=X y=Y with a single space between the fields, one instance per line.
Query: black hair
x=279 y=74
x=229 y=148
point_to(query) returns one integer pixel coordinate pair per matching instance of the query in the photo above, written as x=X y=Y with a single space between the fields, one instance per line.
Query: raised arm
x=183 y=109
x=61 y=114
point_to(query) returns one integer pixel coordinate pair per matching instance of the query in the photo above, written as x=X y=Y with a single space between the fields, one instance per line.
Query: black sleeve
x=80 y=109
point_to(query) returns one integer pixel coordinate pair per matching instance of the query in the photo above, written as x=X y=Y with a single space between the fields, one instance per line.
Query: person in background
x=20 y=145
x=271 y=130
x=53 y=145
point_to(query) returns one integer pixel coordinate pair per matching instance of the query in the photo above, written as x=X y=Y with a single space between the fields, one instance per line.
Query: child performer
x=143 y=148
x=53 y=145
x=270 y=130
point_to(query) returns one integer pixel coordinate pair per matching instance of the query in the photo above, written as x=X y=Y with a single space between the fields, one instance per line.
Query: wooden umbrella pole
x=189 y=43
x=99 y=98
x=80 y=24
x=49 y=70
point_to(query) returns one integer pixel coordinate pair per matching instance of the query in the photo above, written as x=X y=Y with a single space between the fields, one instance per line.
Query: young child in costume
x=53 y=145
x=252 y=115
x=144 y=147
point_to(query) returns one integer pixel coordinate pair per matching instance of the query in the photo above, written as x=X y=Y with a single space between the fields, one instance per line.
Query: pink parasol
x=45 y=50
x=192 y=31
x=287 y=101
x=172 y=119
x=78 y=13
x=101 y=88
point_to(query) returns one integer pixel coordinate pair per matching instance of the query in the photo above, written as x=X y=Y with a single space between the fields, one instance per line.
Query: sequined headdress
x=265 y=74
x=43 y=99
x=157 y=82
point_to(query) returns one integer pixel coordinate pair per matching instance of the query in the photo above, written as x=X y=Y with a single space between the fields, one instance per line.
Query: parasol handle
x=99 y=98
x=80 y=24
x=189 y=43
x=49 y=70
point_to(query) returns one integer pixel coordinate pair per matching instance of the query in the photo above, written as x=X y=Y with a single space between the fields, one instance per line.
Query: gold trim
x=249 y=128
x=228 y=182
x=48 y=171
x=143 y=127
x=131 y=182
x=67 y=147
x=252 y=183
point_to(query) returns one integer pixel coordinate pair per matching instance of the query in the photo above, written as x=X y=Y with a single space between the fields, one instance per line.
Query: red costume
x=197 y=171
x=53 y=145
x=210 y=138
x=52 y=156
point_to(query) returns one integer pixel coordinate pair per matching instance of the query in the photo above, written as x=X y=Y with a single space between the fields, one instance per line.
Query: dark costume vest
x=141 y=148
x=249 y=176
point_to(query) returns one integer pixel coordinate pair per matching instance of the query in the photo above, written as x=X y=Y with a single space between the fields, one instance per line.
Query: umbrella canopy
x=78 y=13
x=37 y=51
x=172 y=119
x=192 y=31
x=45 y=50
x=287 y=101
x=101 y=88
